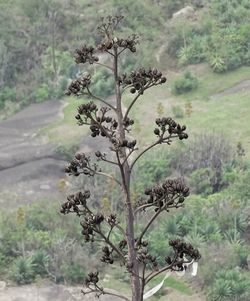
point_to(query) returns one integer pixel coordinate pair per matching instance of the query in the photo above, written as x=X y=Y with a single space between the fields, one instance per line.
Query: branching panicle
x=184 y=250
x=132 y=251
x=170 y=194
x=142 y=79
x=75 y=202
x=85 y=54
x=169 y=126
x=147 y=259
x=107 y=255
x=119 y=43
x=79 y=85
x=108 y=25
x=81 y=164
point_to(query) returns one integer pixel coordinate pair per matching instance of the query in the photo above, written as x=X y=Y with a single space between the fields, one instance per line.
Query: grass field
x=228 y=114
x=116 y=281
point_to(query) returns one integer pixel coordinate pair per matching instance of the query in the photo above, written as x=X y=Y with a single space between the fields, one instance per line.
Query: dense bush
x=194 y=52
x=42 y=93
x=7 y=94
x=66 y=151
x=200 y=179
x=184 y=83
x=219 y=37
x=30 y=246
x=178 y=111
x=22 y=270
x=152 y=168
x=229 y=285
x=209 y=157
x=241 y=187
x=103 y=85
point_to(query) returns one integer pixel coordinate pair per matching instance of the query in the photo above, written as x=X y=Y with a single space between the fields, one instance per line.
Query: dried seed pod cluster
x=81 y=165
x=142 y=79
x=128 y=43
x=92 y=279
x=182 y=249
x=103 y=125
x=129 y=144
x=170 y=194
x=74 y=202
x=89 y=225
x=127 y=122
x=147 y=259
x=167 y=124
x=78 y=85
x=107 y=255
x=122 y=244
x=112 y=220
x=85 y=54
x=87 y=109
x=109 y=24
x=100 y=124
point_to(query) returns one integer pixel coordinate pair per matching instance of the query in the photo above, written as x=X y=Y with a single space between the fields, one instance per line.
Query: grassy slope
x=117 y=282
x=66 y=131
x=228 y=114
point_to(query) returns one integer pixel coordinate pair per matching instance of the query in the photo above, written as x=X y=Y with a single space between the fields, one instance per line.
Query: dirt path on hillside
x=55 y=292
x=48 y=292
x=29 y=167
x=240 y=87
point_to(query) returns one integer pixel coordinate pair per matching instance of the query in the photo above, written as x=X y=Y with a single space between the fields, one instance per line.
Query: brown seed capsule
x=181 y=199
x=98 y=154
x=78 y=156
x=156 y=131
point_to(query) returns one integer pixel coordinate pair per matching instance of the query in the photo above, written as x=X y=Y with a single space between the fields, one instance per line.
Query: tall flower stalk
x=113 y=123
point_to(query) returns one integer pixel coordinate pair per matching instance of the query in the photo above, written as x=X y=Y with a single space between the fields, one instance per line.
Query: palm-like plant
x=221 y=291
x=217 y=63
x=40 y=262
x=22 y=271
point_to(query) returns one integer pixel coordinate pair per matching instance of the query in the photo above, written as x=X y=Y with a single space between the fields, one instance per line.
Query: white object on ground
x=156 y=288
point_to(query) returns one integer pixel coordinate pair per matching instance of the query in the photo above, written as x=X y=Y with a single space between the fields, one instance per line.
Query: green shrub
x=184 y=83
x=73 y=273
x=193 y=52
x=178 y=111
x=241 y=255
x=67 y=151
x=229 y=285
x=151 y=169
x=102 y=84
x=7 y=94
x=22 y=270
x=3 y=262
x=40 y=261
x=204 y=161
x=200 y=181
x=242 y=188
x=217 y=63
x=42 y=93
